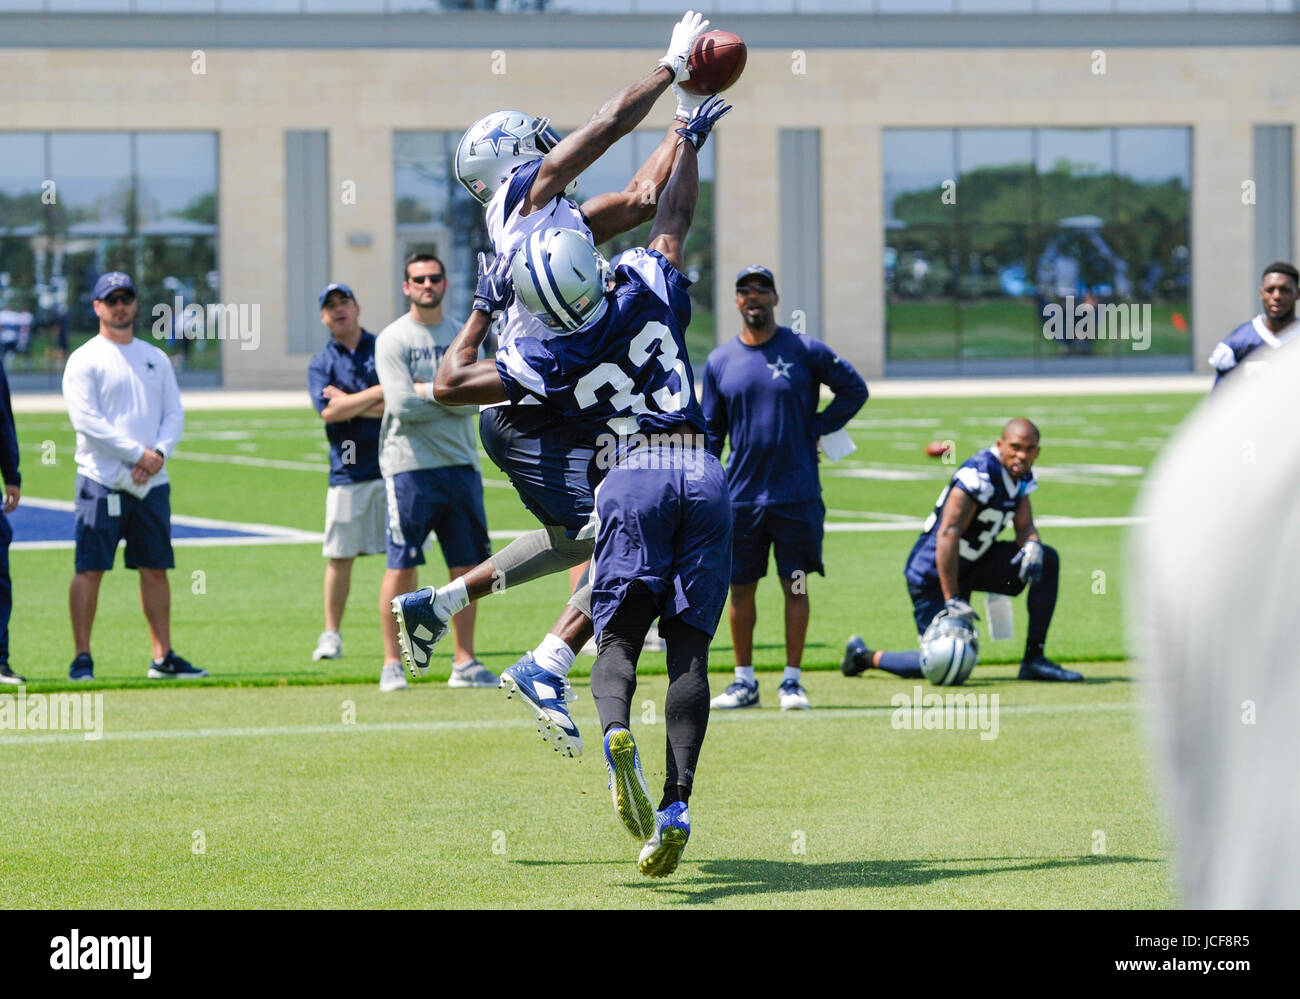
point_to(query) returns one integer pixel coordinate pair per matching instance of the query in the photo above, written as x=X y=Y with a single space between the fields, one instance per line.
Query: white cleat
x=392 y=678
x=328 y=646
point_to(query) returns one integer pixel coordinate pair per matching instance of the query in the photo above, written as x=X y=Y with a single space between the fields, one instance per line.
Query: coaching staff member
x=124 y=403
x=345 y=390
x=762 y=389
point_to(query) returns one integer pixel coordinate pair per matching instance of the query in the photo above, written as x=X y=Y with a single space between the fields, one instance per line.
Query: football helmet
x=950 y=648
x=561 y=278
x=497 y=143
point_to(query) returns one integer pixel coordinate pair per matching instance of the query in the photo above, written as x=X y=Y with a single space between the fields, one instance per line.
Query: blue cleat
x=547 y=694
x=626 y=783
x=419 y=628
x=663 y=851
x=82 y=668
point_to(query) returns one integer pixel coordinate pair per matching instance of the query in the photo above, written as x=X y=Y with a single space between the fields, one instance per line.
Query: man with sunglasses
x=428 y=455
x=124 y=403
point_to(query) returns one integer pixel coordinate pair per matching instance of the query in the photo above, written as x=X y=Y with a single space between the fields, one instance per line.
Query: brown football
x=716 y=62
x=936 y=449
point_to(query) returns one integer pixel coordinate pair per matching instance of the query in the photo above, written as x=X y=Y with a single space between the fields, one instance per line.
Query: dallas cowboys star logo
x=501 y=133
x=781 y=368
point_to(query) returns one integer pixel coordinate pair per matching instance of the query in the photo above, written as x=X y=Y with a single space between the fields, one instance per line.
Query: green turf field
x=303 y=786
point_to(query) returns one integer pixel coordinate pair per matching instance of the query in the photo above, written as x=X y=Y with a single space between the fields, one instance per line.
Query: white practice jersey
x=508 y=230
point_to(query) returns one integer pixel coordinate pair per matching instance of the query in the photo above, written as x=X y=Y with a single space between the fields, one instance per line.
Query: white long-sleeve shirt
x=123 y=400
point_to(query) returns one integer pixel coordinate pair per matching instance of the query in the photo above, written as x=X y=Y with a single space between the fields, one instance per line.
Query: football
x=936 y=449
x=716 y=62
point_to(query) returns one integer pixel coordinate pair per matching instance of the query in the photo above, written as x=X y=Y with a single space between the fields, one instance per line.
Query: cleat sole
x=551 y=733
x=404 y=642
x=631 y=800
x=665 y=858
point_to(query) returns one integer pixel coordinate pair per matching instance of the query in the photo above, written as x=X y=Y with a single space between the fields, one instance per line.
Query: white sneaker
x=793 y=696
x=472 y=674
x=739 y=695
x=328 y=646
x=392 y=678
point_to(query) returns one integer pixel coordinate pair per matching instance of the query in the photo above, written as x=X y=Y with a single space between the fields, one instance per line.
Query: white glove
x=687 y=103
x=685 y=31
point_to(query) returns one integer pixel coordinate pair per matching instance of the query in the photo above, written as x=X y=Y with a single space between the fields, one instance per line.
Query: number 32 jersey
x=991 y=486
x=629 y=371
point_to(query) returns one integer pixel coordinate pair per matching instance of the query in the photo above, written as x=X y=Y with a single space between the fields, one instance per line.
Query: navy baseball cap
x=759 y=272
x=336 y=287
x=111 y=282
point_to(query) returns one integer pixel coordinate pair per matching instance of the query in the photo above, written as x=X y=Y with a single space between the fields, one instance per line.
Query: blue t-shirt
x=765 y=398
x=628 y=372
x=997 y=494
x=354 y=444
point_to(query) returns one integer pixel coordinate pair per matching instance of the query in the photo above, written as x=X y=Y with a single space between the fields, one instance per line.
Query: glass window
x=996 y=175
x=917 y=162
x=23 y=179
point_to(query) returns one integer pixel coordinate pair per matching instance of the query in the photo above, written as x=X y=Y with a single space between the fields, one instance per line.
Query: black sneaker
x=9 y=676
x=173 y=665
x=82 y=668
x=855 y=653
x=1043 y=668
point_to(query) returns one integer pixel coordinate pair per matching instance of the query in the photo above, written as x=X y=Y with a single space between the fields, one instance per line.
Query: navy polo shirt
x=357 y=439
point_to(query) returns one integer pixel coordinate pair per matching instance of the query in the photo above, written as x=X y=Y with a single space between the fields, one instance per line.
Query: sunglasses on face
x=431 y=278
x=121 y=298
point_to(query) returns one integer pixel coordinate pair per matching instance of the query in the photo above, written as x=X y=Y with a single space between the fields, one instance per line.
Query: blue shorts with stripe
x=665 y=529
x=447 y=501
x=105 y=516
x=554 y=476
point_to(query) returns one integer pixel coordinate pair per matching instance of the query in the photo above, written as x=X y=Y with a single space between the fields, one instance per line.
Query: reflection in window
x=987 y=228
x=76 y=204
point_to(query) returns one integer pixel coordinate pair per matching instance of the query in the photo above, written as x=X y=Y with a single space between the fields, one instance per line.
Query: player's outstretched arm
x=617 y=212
x=615 y=118
x=958 y=512
x=677 y=206
x=462 y=379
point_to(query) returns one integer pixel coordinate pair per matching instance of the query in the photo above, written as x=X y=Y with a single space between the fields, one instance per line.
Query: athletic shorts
x=795 y=530
x=554 y=477
x=105 y=516
x=356 y=517
x=665 y=523
x=447 y=501
x=992 y=573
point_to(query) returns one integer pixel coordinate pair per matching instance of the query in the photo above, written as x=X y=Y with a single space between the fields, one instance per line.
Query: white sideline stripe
x=284 y=464
x=462 y=725
x=915 y=525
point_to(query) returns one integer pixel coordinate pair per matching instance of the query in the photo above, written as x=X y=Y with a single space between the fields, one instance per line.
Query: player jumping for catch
x=663 y=545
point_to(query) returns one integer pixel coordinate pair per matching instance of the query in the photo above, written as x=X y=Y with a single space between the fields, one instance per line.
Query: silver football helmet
x=561 y=279
x=497 y=143
x=950 y=648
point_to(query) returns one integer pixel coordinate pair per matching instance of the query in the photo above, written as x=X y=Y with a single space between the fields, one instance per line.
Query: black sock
x=1032 y=651
x=676 y=792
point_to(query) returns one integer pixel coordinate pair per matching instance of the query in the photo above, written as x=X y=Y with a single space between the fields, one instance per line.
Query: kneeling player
x=957 y=553
x=663 y=546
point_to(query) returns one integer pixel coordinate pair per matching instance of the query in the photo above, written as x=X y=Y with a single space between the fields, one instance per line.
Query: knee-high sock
x=686 y=708
x=613 y=676
x=905 y=664
x=1041 y=602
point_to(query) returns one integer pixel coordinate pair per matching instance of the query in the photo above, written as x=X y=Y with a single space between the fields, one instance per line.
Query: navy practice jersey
x=1245 y=340
x=629 y=371
x=766 y=399
x=991 y=486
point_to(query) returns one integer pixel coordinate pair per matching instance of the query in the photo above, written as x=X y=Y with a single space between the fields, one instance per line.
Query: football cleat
x=472 y=674
x=392 y=678
x=9 y=676
x=174 y=667
x=548 y=695
x=82 y=668
x=1043 y=668
x=419 y=628
x=739 y=695
x=855 y=652
x=793 y=697
x=328 y=646
x=627 y=784
x=663 y=851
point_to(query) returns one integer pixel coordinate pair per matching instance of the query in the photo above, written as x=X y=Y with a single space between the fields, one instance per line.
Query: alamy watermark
x=24 y=712
x=653 y=451
x=218 y=321
x=1090 y=320
x=918 y=710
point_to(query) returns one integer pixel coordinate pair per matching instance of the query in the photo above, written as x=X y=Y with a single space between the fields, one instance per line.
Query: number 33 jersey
x=997 y=494
x=626 y=373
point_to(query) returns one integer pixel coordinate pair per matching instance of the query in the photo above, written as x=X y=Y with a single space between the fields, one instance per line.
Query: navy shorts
x=554 y=476
x=665 y=528
x=106 y=516
x=794 y=529
x=447 y=501
x=993 y=573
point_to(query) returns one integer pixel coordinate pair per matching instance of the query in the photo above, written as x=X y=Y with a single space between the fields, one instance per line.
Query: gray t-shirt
x=418 y=432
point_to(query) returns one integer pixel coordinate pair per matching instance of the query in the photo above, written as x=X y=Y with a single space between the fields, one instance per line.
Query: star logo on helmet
x=502 y=133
